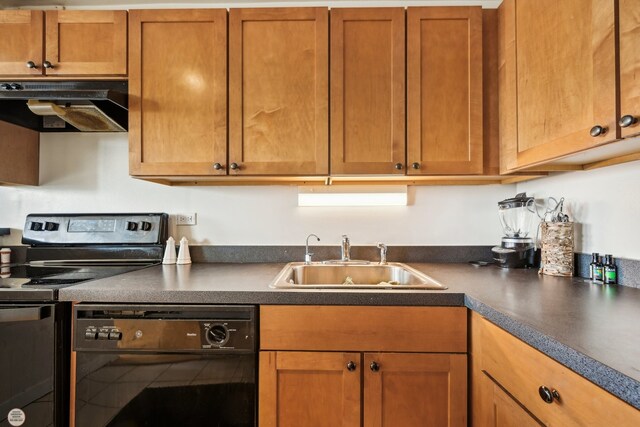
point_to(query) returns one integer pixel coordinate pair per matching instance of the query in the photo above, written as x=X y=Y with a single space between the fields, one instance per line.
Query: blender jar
x=515 y=215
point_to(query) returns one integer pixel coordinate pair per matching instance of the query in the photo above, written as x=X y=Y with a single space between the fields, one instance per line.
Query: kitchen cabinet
x=332 y=365
x=629 y=13
x=19 y=155
x=63 y=43
x=570 y=399
x=502 y=409
x=178 y=93
x=444 y=86
x=278 y=91
x=557 y=79
x=368 y=91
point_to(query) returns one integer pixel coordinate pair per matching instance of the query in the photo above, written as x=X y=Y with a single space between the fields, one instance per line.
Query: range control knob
x=51 y=226
x=132 y=226
x=217 y=335
x=91 y=334
x=145 y=226
x=36 y=226
x=15 y=86
x=5 y=86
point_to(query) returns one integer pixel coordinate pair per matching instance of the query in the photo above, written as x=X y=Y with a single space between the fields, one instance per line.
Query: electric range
x=35 y=329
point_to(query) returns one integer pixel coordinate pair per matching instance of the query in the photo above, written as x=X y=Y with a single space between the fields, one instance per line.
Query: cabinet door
x=367 y=91
x=413 y=389
x=630 y=65
x=178 y=92
x=310 y=389
x=563 y=57
x=21 y=34
x=444 y=86
x=19 y=154
x=83 y=42
x=499 y=408
x=278 y=91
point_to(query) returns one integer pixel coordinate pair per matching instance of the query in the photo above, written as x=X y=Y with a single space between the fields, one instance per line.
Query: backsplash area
x=89 y=173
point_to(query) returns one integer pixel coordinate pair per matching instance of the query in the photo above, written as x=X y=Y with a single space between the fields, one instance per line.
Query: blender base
x=514 y=258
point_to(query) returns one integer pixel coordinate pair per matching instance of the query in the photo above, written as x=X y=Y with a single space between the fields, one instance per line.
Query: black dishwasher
x=165 y=365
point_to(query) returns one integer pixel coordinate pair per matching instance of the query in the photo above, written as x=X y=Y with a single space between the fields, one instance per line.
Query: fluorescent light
x=389 y=195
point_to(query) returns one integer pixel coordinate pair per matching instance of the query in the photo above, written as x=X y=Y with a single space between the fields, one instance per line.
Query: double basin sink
x=349 y=275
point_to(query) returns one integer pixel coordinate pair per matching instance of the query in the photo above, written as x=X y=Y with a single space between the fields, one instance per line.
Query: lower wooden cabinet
x=386 y=389
x=362 y=366
x=507 y=375
x=501 y=409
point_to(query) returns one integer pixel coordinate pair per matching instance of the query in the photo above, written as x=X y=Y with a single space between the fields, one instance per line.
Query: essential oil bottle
x=598 y=271
x=592 y=266
x=610 y=271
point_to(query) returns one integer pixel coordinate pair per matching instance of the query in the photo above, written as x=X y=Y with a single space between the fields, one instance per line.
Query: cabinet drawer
x=360 y=328
x=521 y=370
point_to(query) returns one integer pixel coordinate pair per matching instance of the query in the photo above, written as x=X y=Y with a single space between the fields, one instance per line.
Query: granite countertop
x=591 y=329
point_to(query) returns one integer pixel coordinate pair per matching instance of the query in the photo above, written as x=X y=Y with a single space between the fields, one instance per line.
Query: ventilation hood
x=65 y=106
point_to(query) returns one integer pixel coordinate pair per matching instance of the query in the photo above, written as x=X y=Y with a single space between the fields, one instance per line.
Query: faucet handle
x=383 y=252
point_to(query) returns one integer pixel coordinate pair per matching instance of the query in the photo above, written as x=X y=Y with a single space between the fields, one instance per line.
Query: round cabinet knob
x=351 y=366
x=217 y=334
x=31 y=64
x=234 y=166
x=628 y=120
x=548 y=395
x=398 y=166
x=415 y=165
x=217 y=166
x=374 y=367
x=47 y=64
x=598 y=131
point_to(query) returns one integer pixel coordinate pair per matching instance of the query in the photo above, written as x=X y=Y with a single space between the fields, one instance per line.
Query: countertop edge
x=609 y=379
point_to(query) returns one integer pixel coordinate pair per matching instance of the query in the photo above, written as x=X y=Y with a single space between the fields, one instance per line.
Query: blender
x=517 y=250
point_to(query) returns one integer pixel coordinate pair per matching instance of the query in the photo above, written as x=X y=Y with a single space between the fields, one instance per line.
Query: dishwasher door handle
x=24 y=314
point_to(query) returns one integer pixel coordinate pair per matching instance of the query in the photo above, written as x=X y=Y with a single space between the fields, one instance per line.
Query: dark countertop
x=591 y=329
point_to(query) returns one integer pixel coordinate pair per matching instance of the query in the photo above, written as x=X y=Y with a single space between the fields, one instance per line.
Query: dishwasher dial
x=217 y=335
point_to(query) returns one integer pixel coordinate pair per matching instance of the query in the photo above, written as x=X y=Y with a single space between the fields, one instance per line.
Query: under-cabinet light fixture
x=388 y=195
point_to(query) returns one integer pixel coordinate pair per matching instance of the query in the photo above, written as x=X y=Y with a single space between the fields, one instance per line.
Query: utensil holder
x=557 y=240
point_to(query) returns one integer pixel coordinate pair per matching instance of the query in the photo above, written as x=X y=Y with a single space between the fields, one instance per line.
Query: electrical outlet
x=186 y=219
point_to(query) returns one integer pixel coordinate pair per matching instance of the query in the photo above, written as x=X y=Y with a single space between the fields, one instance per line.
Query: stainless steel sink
x=298 y=275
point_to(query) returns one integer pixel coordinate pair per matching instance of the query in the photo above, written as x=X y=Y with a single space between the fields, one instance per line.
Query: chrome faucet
x=383 y=253
x=345 y=248
x=307 y=254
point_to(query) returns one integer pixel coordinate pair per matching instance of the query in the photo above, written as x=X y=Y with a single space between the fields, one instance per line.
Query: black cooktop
x=41 y=282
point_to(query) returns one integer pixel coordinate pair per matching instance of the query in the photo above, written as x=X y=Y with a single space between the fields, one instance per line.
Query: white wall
x=605 y=203
x=89 y=173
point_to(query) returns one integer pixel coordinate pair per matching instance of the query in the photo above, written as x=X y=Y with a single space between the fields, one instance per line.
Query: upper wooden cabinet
x=368 y=91
x=178 y=92
x=629 y=12
x=278 y=91
x=557 y=79
x=77 y=43
x=22 y=34
x=444 y=86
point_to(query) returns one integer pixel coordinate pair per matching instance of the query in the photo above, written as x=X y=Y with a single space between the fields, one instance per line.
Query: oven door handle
x=24 y=314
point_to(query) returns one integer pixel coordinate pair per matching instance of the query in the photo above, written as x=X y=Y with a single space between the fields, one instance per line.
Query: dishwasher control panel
x=118 y=330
